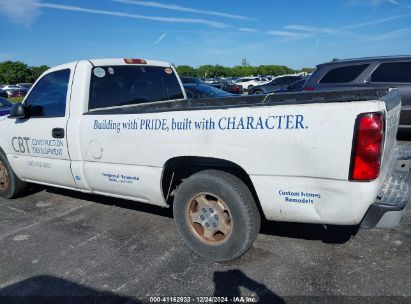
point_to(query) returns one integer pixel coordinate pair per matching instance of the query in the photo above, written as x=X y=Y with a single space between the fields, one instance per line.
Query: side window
x=393 y=72
x=48 y=97
x=113 y=86
x=344 y=74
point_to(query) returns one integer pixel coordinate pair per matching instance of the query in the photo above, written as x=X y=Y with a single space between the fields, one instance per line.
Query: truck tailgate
x=389 y=206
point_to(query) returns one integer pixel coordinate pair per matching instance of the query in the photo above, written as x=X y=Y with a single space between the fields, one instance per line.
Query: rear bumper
x=390 y=205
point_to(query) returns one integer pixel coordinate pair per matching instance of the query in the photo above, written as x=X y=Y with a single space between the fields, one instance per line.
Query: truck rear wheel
x=10 y=184
x=216 y=214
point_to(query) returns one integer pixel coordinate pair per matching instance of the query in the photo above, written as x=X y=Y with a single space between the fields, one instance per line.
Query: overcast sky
x=294 y=33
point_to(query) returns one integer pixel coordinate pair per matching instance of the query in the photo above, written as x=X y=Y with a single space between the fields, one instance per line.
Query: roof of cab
x=120 y=61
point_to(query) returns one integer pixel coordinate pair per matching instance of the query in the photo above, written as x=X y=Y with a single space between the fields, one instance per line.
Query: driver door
x=38 y=142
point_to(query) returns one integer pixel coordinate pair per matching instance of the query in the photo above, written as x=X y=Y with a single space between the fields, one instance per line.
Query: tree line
x=210 y=71
x=12 y=72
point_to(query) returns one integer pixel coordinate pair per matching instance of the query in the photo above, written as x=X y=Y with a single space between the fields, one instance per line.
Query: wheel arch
x=176 y=169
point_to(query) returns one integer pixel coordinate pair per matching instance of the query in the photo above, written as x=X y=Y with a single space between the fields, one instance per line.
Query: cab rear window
x=344 y=74
x=113 y=86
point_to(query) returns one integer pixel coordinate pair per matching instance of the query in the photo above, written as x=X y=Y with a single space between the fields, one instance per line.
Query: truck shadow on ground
x=30 y=190
x=228 y=283
x=329 y=234
x=111 y=201
x=50 y=289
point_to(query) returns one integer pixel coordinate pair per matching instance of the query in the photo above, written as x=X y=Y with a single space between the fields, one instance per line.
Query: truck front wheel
x=10 y=184
x=216 y=214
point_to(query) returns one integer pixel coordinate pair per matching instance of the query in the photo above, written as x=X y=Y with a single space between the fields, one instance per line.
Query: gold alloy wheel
x=209 y=218
x=4 y=177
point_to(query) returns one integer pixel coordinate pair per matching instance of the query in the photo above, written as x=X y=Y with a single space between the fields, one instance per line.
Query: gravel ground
x=73 y=247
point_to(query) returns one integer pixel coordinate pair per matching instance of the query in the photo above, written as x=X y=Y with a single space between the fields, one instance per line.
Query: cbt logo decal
x=20 y=144
x=35 y=146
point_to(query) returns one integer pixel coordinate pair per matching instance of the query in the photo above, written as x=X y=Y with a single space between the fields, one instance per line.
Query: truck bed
x=247 y=101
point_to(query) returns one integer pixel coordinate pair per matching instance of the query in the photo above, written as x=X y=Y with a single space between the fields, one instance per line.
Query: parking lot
x=61 y=243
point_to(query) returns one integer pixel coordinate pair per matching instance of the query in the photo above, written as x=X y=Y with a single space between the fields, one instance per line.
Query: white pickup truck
x=124 y=128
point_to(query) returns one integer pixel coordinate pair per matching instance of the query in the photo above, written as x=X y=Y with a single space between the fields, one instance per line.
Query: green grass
x=15 y=99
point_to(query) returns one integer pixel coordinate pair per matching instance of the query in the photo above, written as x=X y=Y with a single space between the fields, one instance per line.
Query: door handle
x=57 y=133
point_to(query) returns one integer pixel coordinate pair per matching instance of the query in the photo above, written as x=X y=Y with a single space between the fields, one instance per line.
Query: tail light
x=367 y=147
x=308 y=89
x=236 y=88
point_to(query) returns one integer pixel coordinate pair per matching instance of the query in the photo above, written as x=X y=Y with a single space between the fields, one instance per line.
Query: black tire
x=10 y=184
x=243 y=215
x=258 y=92
x=249 y=87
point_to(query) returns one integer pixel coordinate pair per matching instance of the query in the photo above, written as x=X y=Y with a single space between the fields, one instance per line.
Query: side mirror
x=17 y=111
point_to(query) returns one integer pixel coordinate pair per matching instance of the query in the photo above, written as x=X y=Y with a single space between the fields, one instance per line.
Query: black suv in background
x=392 y=72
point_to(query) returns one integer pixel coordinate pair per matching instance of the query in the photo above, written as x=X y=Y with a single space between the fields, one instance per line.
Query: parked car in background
x=226 y=85
x=231 y=87
x=212 y=80
x=3 y=93
x=20 y=92
x=202 y=90
x=25 y=85
x=231 y=79
x=278 y=83
x=248 y=82
x=5 y=106
x=295 y=86
x=195 y=80
x=218 y=83
x=389 y=71
x=10 y=87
